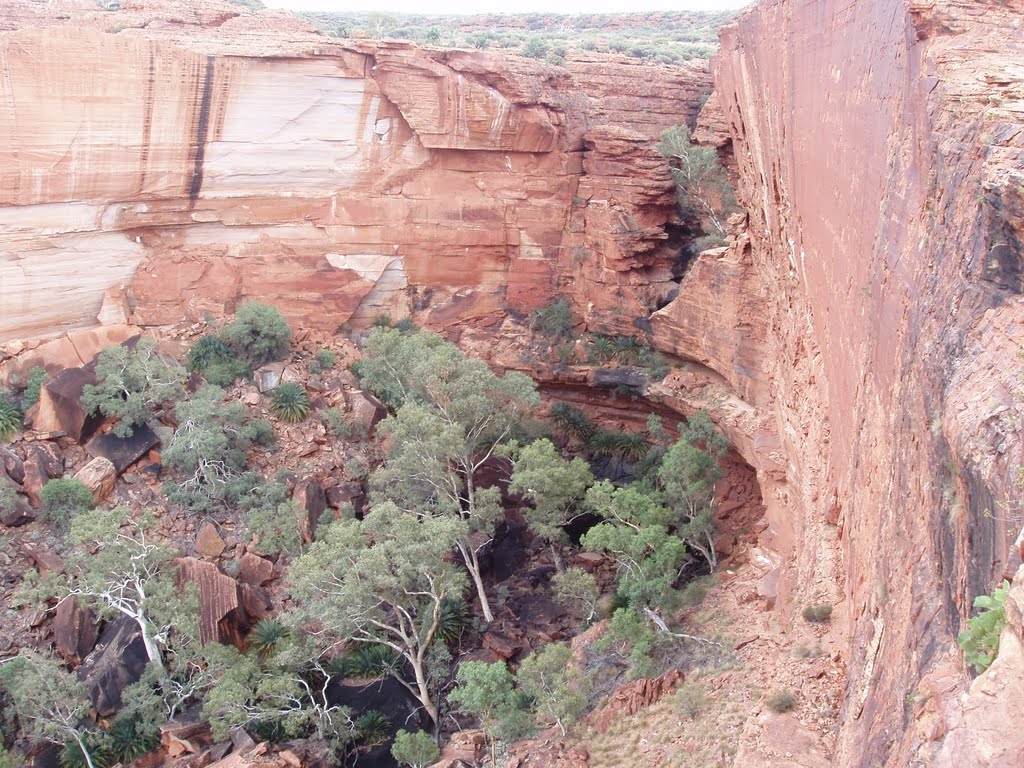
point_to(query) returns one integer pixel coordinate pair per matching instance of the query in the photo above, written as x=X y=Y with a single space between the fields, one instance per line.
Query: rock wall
x=879 y=148
x=172 y=166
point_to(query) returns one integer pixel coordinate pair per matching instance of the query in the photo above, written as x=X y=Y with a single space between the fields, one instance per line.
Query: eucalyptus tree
x=382 y=581
x=452 y=414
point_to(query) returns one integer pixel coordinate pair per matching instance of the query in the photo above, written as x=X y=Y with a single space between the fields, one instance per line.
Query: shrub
x=217 y=361
x=373 y=727
x=290 y=402
x=817 y=613
x=536 y=48
x=366 y=660
x=259 y=333
x=554 y=320
x=267 y=637
x=36 y=377
x=416 y=750
x=690 y=700
x=8 y=498
x=571 y=421
x=326 y=359
x=132 y=383
x=271 y=515
x=455 y=619
x=602 y=350
x=980 y=641
x=337 y=423
x=73 y=757
x=130 y=739
x=10 y=419
x=693 y=594
x=63 y=499
x=577 y=590
x=782 y=701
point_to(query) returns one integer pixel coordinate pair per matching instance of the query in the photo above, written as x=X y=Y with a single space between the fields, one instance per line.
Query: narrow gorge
x=857 y=339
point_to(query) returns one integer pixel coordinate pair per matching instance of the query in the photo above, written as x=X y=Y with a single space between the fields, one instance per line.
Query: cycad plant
x=290 y=403
x=10 y=419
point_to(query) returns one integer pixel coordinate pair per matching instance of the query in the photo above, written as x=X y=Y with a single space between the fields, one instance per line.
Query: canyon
x=858 y=339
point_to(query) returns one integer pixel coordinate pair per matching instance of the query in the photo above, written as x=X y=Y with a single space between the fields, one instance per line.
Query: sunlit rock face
x=198 y=165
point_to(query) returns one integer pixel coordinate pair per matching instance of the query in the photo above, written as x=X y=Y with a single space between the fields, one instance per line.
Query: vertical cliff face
x=879 y=153
x=191 y=163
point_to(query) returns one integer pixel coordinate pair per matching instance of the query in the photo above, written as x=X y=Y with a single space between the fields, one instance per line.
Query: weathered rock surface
x=417 y=180
x=123 y=451
x=60 y=405
x=117 y=662
x=635 y=696
x=222 y=617
x=99 y=476
x=74 y=630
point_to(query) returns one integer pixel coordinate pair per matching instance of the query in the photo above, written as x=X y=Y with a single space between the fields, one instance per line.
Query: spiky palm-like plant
x=266 y=637
x=373 y=727
x=366 y=660
x=10 y=419
x=602 y=349
x=572 y=422
x=289 y=402
x=628 y=349
x=130 y=739
x=455 y=619
x=609 y=442
x=207 y=351
x=71 y=756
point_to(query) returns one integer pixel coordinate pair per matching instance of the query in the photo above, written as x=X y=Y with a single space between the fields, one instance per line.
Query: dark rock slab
x=221 y=615
x=310 y=496
x=74 y=630
x=61 y=408
x=123 y=451
x=118 y=661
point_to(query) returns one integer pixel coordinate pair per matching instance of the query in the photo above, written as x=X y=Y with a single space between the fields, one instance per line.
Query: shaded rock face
x=866 y=364
x=118 y=661
x=334 y=180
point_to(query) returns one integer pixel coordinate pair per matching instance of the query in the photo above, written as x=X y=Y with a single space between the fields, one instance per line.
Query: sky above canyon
x=494 y=6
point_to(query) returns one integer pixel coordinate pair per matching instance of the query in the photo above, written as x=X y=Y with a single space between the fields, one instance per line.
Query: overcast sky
x=516 y=6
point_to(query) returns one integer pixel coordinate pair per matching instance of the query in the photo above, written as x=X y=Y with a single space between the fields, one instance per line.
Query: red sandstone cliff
x=879 y=147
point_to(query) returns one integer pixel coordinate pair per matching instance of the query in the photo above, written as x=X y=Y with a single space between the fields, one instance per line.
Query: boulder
x=502 y=644
x=117 y=661
x=255 y=570
x=12 y=466
x=208 y=541
x=346 y=493
x=74 y=630
x=60 y=405
x=221 y=617
x=19 y=514
x=99 y=476
x=464 y=748
x=44 y=560
x=268 y=376
x=309 y=495
x=255 y=602
x=365 y=410
x=123 y=451
x=635 y=696
x=41 y=463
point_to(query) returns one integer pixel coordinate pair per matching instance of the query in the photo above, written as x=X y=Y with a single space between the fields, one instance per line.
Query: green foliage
x=217 y=361
x=338 y=424
x=326 y=359
x=558 y=692
x=452 y=414
x=646 y=653
x=132 y=383
x=382 y=580
x=10 y=418
x=554 y=485
x=209 y=448
x=980 y=641
x=8 y=760
x=702 y=184
x=416 y=749
x=63 y=498
x=690 y=700
x=782 y=701
x=8 y=498
x=290 y=402
x=259 y=333
x=535 y=48
x=267 y=637
x=131 y=738
x=51 y=704
x=370 y=660
x=635 y=532
x=373 y=727
x=272 y=517
x=36 y=377
x=555 y=320
x=630 y=446
x=572 y=422
x=486 y=692
x=454 y=620
x=817 y=613
x=74 y=753
x=577 y=590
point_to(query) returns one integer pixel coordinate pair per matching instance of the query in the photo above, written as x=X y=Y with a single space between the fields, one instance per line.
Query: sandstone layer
x=177 y=164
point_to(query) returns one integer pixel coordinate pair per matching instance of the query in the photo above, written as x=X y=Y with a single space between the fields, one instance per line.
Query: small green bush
x=8 y=498
x=10 y=419
x=782 y=701
x=337 y=423
x=267 y=637
x=373 y=727
x=371 y=660
x=290 y=402
x=554 y=320
x=980 y=641
x=36 y=377
x=572 y=422
x=416 y=750
x=216 y=360
x=130 y=739
x=455 y=619
x=259 y=333
x=326 y=359
x=817 y=613
x=690 y=700
x=64 y=498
